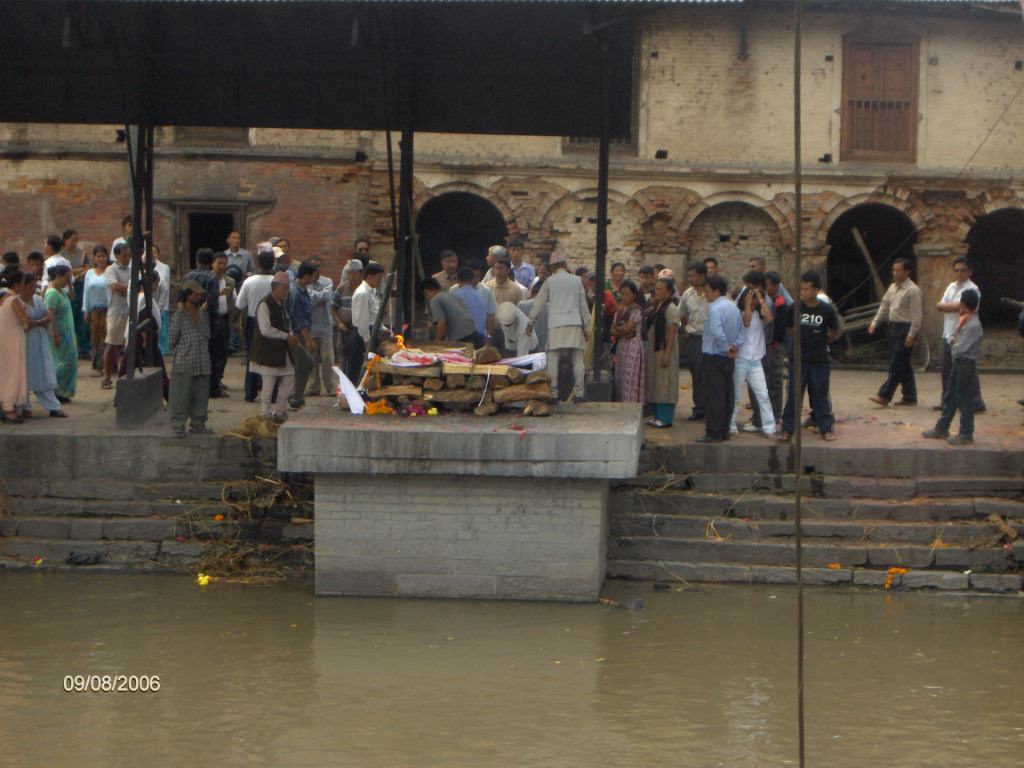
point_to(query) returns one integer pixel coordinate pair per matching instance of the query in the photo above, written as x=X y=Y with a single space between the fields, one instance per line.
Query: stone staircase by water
x=953 y=521
x=139 y=503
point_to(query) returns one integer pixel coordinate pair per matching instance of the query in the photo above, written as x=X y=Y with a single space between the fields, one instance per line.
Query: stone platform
x=463 y=506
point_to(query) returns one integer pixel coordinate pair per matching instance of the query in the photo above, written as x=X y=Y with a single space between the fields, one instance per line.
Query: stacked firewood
x=483 y=386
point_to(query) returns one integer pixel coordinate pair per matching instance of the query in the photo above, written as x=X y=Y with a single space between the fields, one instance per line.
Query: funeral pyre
x=433 y=380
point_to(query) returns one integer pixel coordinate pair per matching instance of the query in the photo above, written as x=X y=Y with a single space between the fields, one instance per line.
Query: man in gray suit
x=568 y=321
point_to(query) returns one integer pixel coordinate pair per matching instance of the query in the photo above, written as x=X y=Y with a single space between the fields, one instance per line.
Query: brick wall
x=441 y=536
x=732 y=233
x=317 y=205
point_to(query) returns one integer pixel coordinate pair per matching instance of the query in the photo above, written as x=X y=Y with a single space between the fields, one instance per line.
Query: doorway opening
x=460 y=221
x=208 y=229
x=995 y=250
x=888 y=235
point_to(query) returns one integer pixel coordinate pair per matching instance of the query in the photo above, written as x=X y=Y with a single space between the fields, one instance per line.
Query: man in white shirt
x=757 y=313
x=366 y=304
x=949 y=305
x=253 y=291
x=512 y=323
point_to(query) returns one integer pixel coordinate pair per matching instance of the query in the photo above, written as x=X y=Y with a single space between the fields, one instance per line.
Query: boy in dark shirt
x=819 y=326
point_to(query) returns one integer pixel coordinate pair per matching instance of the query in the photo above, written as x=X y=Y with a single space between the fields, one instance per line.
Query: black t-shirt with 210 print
x=815 y=323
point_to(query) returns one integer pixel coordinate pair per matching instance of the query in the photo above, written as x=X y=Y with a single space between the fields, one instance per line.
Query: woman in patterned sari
x=63 y=342
x=629 y=346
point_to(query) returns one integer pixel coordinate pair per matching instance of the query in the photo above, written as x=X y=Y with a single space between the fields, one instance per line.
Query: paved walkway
x=859 y=421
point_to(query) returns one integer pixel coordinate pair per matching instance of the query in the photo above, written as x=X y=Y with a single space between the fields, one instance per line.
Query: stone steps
x=674 y=572
x=815 y=554
x=88 y=489
x=755 y=505
x=834 y=486
x=131 y=555
x=764 y=457
x=814 y=530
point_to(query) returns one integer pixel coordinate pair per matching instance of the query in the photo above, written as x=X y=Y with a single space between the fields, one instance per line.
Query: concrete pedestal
x=461 y=506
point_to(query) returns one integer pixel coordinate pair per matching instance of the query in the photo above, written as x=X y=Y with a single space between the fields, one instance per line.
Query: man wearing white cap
x=568 y=321
x=513 y=326
x=272 y=345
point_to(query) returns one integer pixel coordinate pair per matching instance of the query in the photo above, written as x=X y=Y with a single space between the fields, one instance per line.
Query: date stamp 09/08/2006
x=111 y=683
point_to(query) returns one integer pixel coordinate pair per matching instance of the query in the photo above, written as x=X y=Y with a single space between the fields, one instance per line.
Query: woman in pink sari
x=629 y=345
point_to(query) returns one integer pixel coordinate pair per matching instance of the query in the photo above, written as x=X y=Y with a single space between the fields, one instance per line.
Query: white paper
x=348 y=390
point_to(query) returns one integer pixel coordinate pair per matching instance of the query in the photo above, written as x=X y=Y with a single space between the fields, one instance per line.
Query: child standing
x=963 y=381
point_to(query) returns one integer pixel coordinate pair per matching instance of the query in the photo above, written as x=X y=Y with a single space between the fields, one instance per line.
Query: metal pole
x=136 y=158
x=150 y=256
x=604 y=84
x=404 y=260
x=798 y=378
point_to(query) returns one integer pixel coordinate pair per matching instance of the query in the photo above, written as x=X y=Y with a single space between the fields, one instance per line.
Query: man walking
x=568 y=322
x=965 y=345
x=950 y=306
x=723 y=335
x=693 y=311
x=819 y=326
x=901 y=307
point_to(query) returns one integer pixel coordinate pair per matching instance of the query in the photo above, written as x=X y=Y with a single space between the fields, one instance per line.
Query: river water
x=702 y=676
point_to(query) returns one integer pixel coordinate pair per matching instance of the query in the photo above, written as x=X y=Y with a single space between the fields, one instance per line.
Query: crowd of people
x=294 y=324
x=743 y=338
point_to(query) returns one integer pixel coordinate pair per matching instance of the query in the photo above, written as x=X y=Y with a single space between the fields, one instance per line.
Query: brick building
x=913 y=126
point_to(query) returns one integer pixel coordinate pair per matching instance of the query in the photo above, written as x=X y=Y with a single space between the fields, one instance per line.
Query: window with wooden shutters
x=879 y=111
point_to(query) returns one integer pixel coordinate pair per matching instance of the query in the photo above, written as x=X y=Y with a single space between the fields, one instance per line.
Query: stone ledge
x=591 y=440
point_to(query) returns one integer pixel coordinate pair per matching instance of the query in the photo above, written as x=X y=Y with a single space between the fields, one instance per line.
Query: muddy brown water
x=270 y=676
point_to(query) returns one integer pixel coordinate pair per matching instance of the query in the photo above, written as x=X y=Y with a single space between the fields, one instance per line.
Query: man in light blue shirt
x=522 y=272
x=467 y=293
x=723 y=336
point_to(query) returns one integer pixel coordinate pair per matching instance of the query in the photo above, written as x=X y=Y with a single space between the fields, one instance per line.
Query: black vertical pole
x=798 y=191
x=602 y=209
x=136 y=158
x=407 y=270
x=148 y=240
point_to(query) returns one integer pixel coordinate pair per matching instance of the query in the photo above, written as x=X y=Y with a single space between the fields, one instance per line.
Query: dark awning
x=470 y=67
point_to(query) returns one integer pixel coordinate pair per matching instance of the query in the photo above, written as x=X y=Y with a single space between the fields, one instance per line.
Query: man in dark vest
x=272 y=344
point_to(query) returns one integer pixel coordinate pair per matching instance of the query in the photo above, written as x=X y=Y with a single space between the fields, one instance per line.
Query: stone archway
x=888 y=234
x=995 y=250
x=461 y=221
x=732 y=232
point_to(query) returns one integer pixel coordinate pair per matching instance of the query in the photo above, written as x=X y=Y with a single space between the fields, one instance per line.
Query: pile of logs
x=483 y=387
